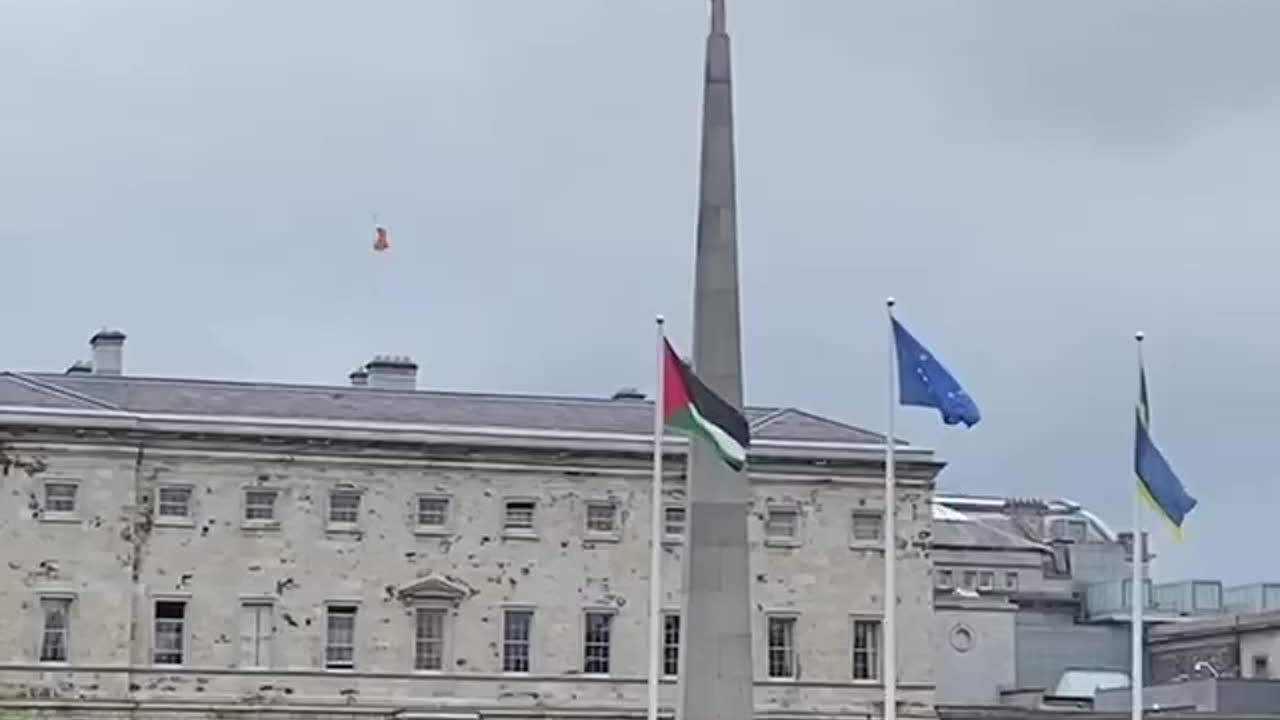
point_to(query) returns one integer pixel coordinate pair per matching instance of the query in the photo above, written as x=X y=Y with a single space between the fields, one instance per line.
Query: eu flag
x=1156 y=480
x=924 y=382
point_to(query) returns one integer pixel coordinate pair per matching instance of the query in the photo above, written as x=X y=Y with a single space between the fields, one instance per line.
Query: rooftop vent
x=80 y=367
x=628 y=393
x=108 y=352
x=392 y=372
x=359 y=377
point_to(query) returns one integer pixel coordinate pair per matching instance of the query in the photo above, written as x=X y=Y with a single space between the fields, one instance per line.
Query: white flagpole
x=890 y=670
x=1137 y=596
x=655 y=532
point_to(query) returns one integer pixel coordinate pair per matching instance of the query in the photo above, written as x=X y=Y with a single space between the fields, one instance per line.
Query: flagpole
x=1136 y=590
x=890 y=540
x=655 y=532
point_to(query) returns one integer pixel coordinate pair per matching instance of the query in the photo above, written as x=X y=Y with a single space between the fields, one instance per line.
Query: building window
x=782 y=524
x=428 y=637
x=257 y=626
x=260 y=505
x=867 y=526
x=1260 y=669
x=782 y=647
x=56 y=635
x=602 y=516
x=173 y=503
x=673 y=522
x=866 y=649
x=969 y=579
x=517 y=635
x=986 y=580
x=518 y=516
x=60 y=497
x=170 y=632
x=596 y=642
x=340 y=637
x=946 y=579
x=670 y=644
x=433 y=513
x=1011 y=581
x=344 y=507
x=1076 y=531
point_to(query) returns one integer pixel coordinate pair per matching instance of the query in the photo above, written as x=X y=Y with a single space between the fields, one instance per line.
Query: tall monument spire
x=716 y=678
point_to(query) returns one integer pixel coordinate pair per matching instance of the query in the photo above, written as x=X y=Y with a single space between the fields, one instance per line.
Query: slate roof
x=214 y=398
x=979 y=534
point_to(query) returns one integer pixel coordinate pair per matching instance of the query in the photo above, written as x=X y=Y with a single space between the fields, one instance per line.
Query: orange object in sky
x=380 y=242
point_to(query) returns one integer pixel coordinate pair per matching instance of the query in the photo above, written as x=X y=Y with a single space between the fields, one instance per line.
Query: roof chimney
x=392 y=372
x=80 y=367
x=108 y=352
x=359 y=377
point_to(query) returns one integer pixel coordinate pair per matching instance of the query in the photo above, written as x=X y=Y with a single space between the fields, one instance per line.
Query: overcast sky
x=1033 y=181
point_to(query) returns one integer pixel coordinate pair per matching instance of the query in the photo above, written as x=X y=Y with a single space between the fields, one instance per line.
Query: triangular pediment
x=435 y=587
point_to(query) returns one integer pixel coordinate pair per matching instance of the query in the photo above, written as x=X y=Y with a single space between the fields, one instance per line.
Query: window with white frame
x=517 y=636
x=602 y=517
x=673 y=522
x=169 y=632
x=986 y=580
x=344 y=507
x=340 y=637
x=257 y=628
x=518 y=516
x=781 y=636
x=260 y=505
x=428 y=638
x=866 y=649
x=969 y=579
x=1011 y=580
x=432 y=512
x=60 y=497
x=946 y=579
x=597 y=641
x=867 y=526
x=671 y=644
x=173 y=502
x=782 y=523
x=55 y=635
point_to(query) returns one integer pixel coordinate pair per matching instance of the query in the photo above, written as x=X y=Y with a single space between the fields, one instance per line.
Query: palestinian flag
x=690 y=405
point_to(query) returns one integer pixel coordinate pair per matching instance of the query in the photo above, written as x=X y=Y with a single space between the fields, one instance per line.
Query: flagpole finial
x=659 y=319
x=890 y=302
x=1139 y=336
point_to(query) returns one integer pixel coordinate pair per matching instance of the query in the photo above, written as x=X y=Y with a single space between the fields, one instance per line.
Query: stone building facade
x=197 y=547
x=1018 y=584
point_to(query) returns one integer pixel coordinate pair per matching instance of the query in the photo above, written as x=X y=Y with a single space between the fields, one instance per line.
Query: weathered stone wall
x=115 y=559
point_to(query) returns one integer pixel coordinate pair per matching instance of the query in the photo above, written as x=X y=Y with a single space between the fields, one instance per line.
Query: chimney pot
x=392 y=372
x=108 y=352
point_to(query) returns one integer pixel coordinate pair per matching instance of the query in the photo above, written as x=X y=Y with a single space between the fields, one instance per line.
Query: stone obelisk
x=716 y=681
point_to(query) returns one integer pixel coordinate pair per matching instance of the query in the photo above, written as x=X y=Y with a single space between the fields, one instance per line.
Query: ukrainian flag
x=1157 y=483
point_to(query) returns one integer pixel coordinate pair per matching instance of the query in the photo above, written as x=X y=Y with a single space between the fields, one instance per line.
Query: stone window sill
x=431 y=531
x=174 y=522
x=65 y=518
x=520 y=534
x=782 y=542
x=260 y=525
